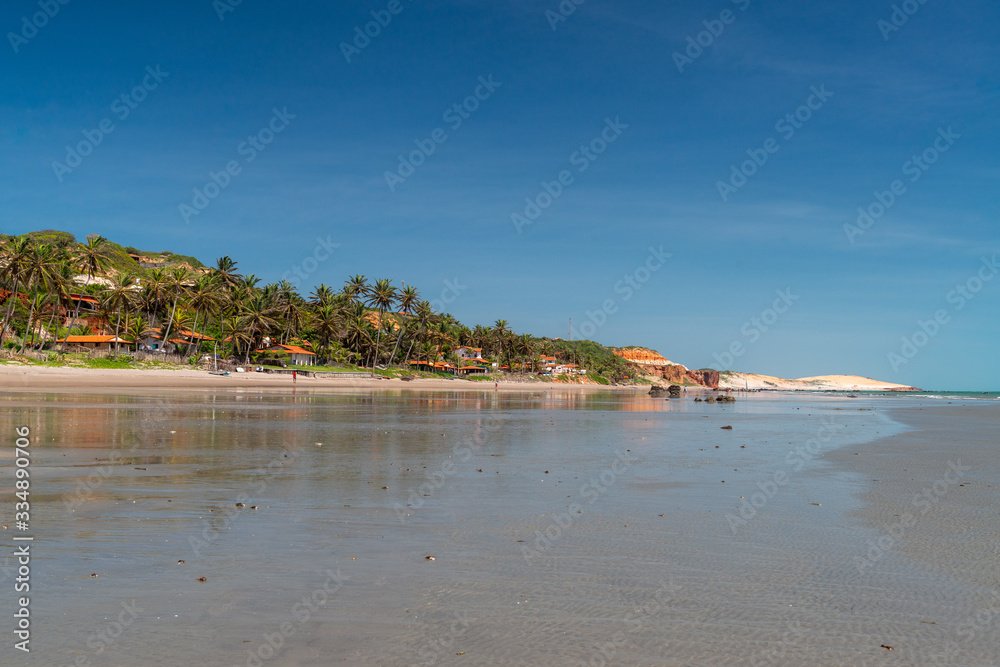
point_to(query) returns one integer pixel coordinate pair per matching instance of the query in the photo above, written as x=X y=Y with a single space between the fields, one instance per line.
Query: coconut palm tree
x=40 y=266
x=356 y=289
x=257 y=320
x=423 y=315
x=290 y=308
x=225 y=273
x=203 y=297
x=501 y=333
x=357 y=334
x=382 y=297
x=134 y=328
x=408 y=299
x=177 y=286
x=16 y=258
x=321 y=296
x=328 y=323
x=238 y=335
x=59 y=290
x=527 y=350
x=90 y=257
x=119 y=295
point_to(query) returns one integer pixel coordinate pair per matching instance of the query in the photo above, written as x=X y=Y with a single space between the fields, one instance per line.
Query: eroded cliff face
x=651 y=362
x=677 y=374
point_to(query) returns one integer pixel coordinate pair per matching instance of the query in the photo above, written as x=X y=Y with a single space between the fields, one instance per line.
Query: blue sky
x=887 y=95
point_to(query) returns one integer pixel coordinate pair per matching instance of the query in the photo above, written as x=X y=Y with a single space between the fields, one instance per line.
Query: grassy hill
x=118 y=256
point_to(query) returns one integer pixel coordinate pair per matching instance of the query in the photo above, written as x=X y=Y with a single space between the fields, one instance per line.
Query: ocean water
x=472 y=528
x=941 y=395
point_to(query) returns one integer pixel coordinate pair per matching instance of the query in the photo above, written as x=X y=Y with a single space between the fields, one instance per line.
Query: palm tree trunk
x=204 y=328
x=170 y=321
x=31 y=315
x=194 y=330
x=117 y=325
x=10 y=308
x=76 y=313
x=412 y=341
x=55 y=309
x=396 y=346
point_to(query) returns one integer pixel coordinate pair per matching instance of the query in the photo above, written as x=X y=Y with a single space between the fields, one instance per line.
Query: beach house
x=89 y=343
x=295 y=355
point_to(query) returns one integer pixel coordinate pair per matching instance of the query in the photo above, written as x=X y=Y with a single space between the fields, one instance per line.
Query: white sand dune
x=734 y=380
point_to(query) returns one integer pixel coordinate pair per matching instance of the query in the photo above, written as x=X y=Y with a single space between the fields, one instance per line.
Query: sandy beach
x=37 y=378
x=357 y=526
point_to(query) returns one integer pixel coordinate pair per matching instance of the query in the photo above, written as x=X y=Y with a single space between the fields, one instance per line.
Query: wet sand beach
x=428 y=526
x=40 y=378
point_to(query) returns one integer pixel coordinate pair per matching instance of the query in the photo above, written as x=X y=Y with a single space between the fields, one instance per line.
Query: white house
x=297 y=356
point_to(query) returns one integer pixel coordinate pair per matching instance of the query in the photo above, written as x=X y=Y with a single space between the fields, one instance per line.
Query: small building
x=434 y=366
x=547 y=365
x=297 y=356
x=153 y=339
x=88 y=343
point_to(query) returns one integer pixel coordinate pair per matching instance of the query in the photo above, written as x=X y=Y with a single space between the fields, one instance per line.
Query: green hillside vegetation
x=358 y=324
x=588 y=354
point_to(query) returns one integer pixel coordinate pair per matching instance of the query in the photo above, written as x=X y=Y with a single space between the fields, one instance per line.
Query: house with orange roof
x=88 y=343
x=297 y=356
x=435 y=366
x=154 y=339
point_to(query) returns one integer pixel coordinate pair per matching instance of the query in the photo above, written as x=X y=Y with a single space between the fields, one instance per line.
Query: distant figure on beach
x=496 y=385
x=295 y=374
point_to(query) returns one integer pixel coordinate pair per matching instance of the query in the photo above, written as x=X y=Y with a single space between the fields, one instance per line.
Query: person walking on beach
x=294 y=375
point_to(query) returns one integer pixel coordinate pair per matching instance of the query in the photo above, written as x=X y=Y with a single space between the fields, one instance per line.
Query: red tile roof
x=92 y=339
x=291 y=349
x=83 y=297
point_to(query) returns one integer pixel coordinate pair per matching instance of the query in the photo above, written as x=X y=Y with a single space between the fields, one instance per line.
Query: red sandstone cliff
x=651 y=362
